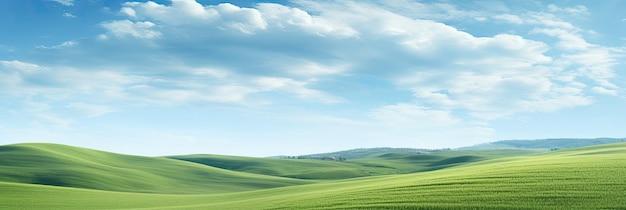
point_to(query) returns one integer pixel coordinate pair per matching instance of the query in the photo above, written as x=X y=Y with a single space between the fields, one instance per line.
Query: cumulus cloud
x=226 y=16
x=190 y=12
x=284 y=17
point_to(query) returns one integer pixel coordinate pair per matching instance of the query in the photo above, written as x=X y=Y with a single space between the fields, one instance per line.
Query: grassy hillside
x=60 y=165
x=390 y=163
x=584 y=178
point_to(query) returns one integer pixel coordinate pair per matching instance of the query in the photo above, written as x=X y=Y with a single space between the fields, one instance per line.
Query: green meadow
x=47 y=176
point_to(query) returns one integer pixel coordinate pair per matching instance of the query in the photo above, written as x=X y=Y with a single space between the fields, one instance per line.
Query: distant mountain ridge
x=536 y=144
x=546 y=144
x=363 y=153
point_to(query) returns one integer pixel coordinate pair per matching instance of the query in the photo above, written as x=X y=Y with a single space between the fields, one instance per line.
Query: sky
x=263 y=78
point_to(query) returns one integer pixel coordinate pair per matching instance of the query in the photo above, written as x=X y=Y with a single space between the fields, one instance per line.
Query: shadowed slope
x=60 y=165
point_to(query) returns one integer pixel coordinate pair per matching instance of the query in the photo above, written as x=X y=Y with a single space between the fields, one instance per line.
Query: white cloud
x=297 y=88
x=22 y=66
x=577 y=10
x=227 y=16
x=90 y=110
x=568 y=40
x=44 y=116
x=128 y=11
x=588 y=60
x=32 y=79
x=65 y=44
x=414 y=116
x=65 y=2
x=122 y=28
x=246 y=20
x=207 y=84
x=514 y=19
x=604 y=91
x=190 y=12
x=180 y=12
x=284 y=17
x=494 y=95
x=69 y=15
x=312 y=69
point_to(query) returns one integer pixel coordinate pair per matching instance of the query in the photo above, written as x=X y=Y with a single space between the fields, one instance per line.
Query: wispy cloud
x=59 y=46
x=577 y=10
x=415 y=116
x=90 y=110
x=69 y=15
x=44 y=116
x=65 y=2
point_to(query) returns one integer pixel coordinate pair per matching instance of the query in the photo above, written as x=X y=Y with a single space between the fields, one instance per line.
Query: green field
x=581 y=178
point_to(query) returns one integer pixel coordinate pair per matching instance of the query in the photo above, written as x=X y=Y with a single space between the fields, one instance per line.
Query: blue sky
x=297 y=77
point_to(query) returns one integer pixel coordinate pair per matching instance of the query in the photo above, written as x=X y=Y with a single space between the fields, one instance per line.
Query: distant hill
x=538 y=144
x=543 y=144
x=363 y=153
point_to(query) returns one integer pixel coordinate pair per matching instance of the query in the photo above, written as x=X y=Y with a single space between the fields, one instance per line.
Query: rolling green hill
x=581 y=178
x=388 y=163
x=60 y=165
